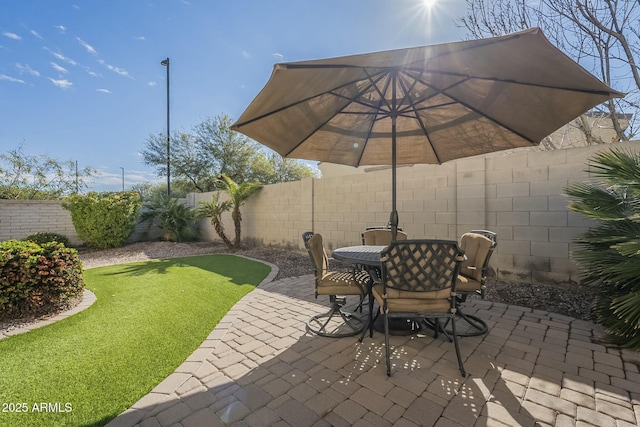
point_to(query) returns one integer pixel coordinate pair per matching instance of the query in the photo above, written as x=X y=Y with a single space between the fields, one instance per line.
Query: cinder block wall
x=517 y=194
x=20 y=218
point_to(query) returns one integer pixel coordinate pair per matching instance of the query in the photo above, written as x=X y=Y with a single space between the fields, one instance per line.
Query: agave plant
x=609 y=253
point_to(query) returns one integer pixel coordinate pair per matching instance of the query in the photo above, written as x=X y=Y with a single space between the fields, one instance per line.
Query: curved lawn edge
x=233 y=269
x=169 y=386
x=270 y=277
x=88 y=298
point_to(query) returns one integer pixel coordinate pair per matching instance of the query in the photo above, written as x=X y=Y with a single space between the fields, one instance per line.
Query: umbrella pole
x=394 y=115
x=394 y=212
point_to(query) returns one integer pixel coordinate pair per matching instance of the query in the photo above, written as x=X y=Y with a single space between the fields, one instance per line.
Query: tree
x=39 y=177
x=609 y=253
x=214 y=210
x=191 y=166
x=212 y=149
x=274 y=168
x=238 y=195
x=230 y=152
x=601 y=35
x=148 y=190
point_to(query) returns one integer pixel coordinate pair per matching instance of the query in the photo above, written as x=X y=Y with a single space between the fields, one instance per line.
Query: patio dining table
x=368 y=258
x=365 y=255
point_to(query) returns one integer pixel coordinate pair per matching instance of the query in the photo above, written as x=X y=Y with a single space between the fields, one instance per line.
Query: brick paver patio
x=259 y=367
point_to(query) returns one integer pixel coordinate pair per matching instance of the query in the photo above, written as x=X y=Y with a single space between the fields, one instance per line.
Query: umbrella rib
x=510 y=81
x=375 y=86
x=376 y=111
x=417 y=117
x=373 y=106
x=470 y=108
x=307 y=99
x=340 y=111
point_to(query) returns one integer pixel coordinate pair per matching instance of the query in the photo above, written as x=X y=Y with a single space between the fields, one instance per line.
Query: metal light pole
x=166 y=64
x=122 y=178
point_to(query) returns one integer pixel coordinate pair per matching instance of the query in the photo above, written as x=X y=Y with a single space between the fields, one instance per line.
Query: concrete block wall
x=518 y=194
x=20 y=218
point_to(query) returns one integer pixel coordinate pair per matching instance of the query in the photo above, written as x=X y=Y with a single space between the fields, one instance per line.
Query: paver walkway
x=259 y=367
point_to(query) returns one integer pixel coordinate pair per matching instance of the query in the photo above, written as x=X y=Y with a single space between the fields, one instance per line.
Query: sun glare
x=428 y=3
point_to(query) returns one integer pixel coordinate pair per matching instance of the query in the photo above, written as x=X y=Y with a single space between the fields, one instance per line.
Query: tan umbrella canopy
x=428 y=104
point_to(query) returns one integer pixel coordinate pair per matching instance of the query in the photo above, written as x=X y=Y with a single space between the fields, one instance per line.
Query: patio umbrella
x=428 y=104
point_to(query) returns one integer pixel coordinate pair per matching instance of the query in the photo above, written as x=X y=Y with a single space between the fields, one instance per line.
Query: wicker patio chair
x=337 y=322
x=418 y=281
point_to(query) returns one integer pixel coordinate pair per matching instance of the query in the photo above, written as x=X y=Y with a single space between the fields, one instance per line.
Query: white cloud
x=87 y=46
x=278 y=56
x=10 y=79
x=36 y=34
x=103 y=90
x=13 y=36
x=116 y=70
x=94 y=74
x=58 y=68
x=76 y=7
x=27 y=69
x=61 y=28
x=246 y=54
x=61 y=57
x=139 y=38
x=151 y=84
x=62 y=83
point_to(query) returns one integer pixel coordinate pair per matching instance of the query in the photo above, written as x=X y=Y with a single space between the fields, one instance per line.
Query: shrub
x=47 y=237
x=176 y=220
x=104 y=220
x=609 y=252
x=35 y=278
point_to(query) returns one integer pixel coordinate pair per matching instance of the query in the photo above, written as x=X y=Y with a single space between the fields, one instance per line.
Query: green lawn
x=149 y=317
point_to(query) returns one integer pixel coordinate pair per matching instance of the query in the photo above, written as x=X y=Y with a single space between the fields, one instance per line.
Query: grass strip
x=148 y=318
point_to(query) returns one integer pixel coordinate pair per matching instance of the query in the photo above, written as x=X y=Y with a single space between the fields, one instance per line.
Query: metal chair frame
x=479 y=326
x=413 y=269
x=319 y=322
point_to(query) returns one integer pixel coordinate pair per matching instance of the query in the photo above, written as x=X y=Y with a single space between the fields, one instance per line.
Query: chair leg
x=370 y=320
x=317 y=325
x=478 y=326
x=457 y=346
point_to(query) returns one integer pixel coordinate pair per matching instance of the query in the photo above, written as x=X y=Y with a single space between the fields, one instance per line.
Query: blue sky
x=81 y=80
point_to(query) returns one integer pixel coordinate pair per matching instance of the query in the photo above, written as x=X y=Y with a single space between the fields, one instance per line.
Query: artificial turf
x=148 y=318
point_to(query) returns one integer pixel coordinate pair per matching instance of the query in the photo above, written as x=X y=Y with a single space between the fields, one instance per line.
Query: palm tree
x=609 y=253
x=214 y=210
x=238 y=195
x=176 y=219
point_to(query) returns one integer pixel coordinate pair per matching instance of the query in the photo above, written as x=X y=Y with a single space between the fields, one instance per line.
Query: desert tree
x=601 y=35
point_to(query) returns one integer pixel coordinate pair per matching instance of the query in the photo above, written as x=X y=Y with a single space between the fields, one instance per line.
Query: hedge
x=37 y=279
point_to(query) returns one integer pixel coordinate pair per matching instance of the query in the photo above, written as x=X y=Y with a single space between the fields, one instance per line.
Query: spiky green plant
x=609 y=253
x=175 y=219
